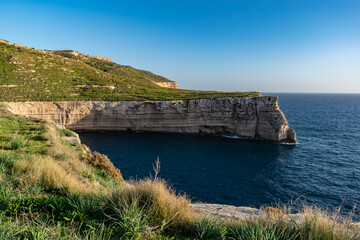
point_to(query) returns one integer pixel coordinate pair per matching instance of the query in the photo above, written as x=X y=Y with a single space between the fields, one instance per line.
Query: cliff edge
x=247 y=117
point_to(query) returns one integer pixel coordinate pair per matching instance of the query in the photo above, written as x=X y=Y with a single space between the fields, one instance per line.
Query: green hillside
x=28 y=74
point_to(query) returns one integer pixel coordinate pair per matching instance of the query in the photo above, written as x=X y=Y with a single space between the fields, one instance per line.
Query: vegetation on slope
x=28 y=74
x=54 y=188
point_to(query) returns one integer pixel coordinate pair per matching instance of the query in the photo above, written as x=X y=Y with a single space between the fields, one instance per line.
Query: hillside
x=52 y=187
x=28 y=74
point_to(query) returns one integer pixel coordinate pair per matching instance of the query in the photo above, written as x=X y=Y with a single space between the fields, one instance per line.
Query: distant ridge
x=29 y=74
x=78 y=55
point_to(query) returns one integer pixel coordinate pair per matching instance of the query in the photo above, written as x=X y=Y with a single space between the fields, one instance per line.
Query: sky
x=243 y=45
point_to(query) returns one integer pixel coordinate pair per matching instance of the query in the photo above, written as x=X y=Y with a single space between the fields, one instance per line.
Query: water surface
x=324 y=165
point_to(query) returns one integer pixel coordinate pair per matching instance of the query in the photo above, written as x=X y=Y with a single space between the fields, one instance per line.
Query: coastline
x=253 y=118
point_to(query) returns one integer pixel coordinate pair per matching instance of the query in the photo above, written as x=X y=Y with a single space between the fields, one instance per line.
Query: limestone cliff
x=167 y=84
x=249 y=117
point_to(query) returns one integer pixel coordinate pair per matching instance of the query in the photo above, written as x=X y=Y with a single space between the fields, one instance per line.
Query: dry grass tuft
x=58 y=148
x=309 y=222
x=32 y=170
x=324 y=224
x=163 y=206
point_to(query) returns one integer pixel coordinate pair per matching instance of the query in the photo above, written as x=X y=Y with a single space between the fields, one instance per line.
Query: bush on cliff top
x=102 y=162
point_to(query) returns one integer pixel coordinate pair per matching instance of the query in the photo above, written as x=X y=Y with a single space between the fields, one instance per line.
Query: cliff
x=44 y=173
x=172 y=85
x=256 y=117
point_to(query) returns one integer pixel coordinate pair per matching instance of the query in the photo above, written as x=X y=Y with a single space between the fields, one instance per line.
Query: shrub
x=102 y=162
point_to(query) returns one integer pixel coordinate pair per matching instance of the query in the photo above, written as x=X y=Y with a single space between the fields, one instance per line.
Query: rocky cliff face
x=256 y=117
x=167 y=84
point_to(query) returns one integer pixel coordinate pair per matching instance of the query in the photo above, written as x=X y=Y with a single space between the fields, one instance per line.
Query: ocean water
x=324 y=166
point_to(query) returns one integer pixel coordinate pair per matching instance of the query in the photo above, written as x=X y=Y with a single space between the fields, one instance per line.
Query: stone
x=226 y=212
x=169 y=84
x=246 y=117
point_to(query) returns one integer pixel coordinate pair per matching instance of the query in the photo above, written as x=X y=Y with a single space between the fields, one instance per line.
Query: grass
x=6 y=162
x=66 y=133
x=210 y=228
x=130 y=219
x=18 y=142
x=32 y=75
x=50 y=189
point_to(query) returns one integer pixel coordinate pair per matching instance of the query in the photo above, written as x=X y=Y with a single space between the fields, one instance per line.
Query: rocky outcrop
x=228 y=212
x=249 y=117
x=167 y=84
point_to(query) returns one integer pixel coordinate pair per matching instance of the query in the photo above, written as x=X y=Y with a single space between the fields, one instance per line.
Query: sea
x=323 y=168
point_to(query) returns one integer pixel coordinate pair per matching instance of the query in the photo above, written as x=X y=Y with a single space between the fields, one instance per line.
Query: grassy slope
x=32 y=75
x=52 y=189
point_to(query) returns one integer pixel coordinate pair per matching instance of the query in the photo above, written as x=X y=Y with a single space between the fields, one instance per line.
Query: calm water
x=325 y=165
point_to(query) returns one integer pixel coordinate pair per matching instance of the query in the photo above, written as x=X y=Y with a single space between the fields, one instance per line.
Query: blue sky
x=244 y=45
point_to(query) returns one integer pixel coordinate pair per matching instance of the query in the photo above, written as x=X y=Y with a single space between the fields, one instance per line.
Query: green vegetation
x=28 y=74
x=66 y=133
x=52 y=189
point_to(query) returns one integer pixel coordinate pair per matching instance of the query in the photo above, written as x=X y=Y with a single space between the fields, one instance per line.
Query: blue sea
x=323 y=168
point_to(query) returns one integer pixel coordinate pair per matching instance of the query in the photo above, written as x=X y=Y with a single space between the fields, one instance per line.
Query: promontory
x=85 y=92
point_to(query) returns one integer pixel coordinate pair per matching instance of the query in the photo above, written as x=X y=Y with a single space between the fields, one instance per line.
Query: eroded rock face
x=255 y=117
x=167 y=84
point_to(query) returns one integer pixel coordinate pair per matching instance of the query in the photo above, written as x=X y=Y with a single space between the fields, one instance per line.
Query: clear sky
x=243 y=45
